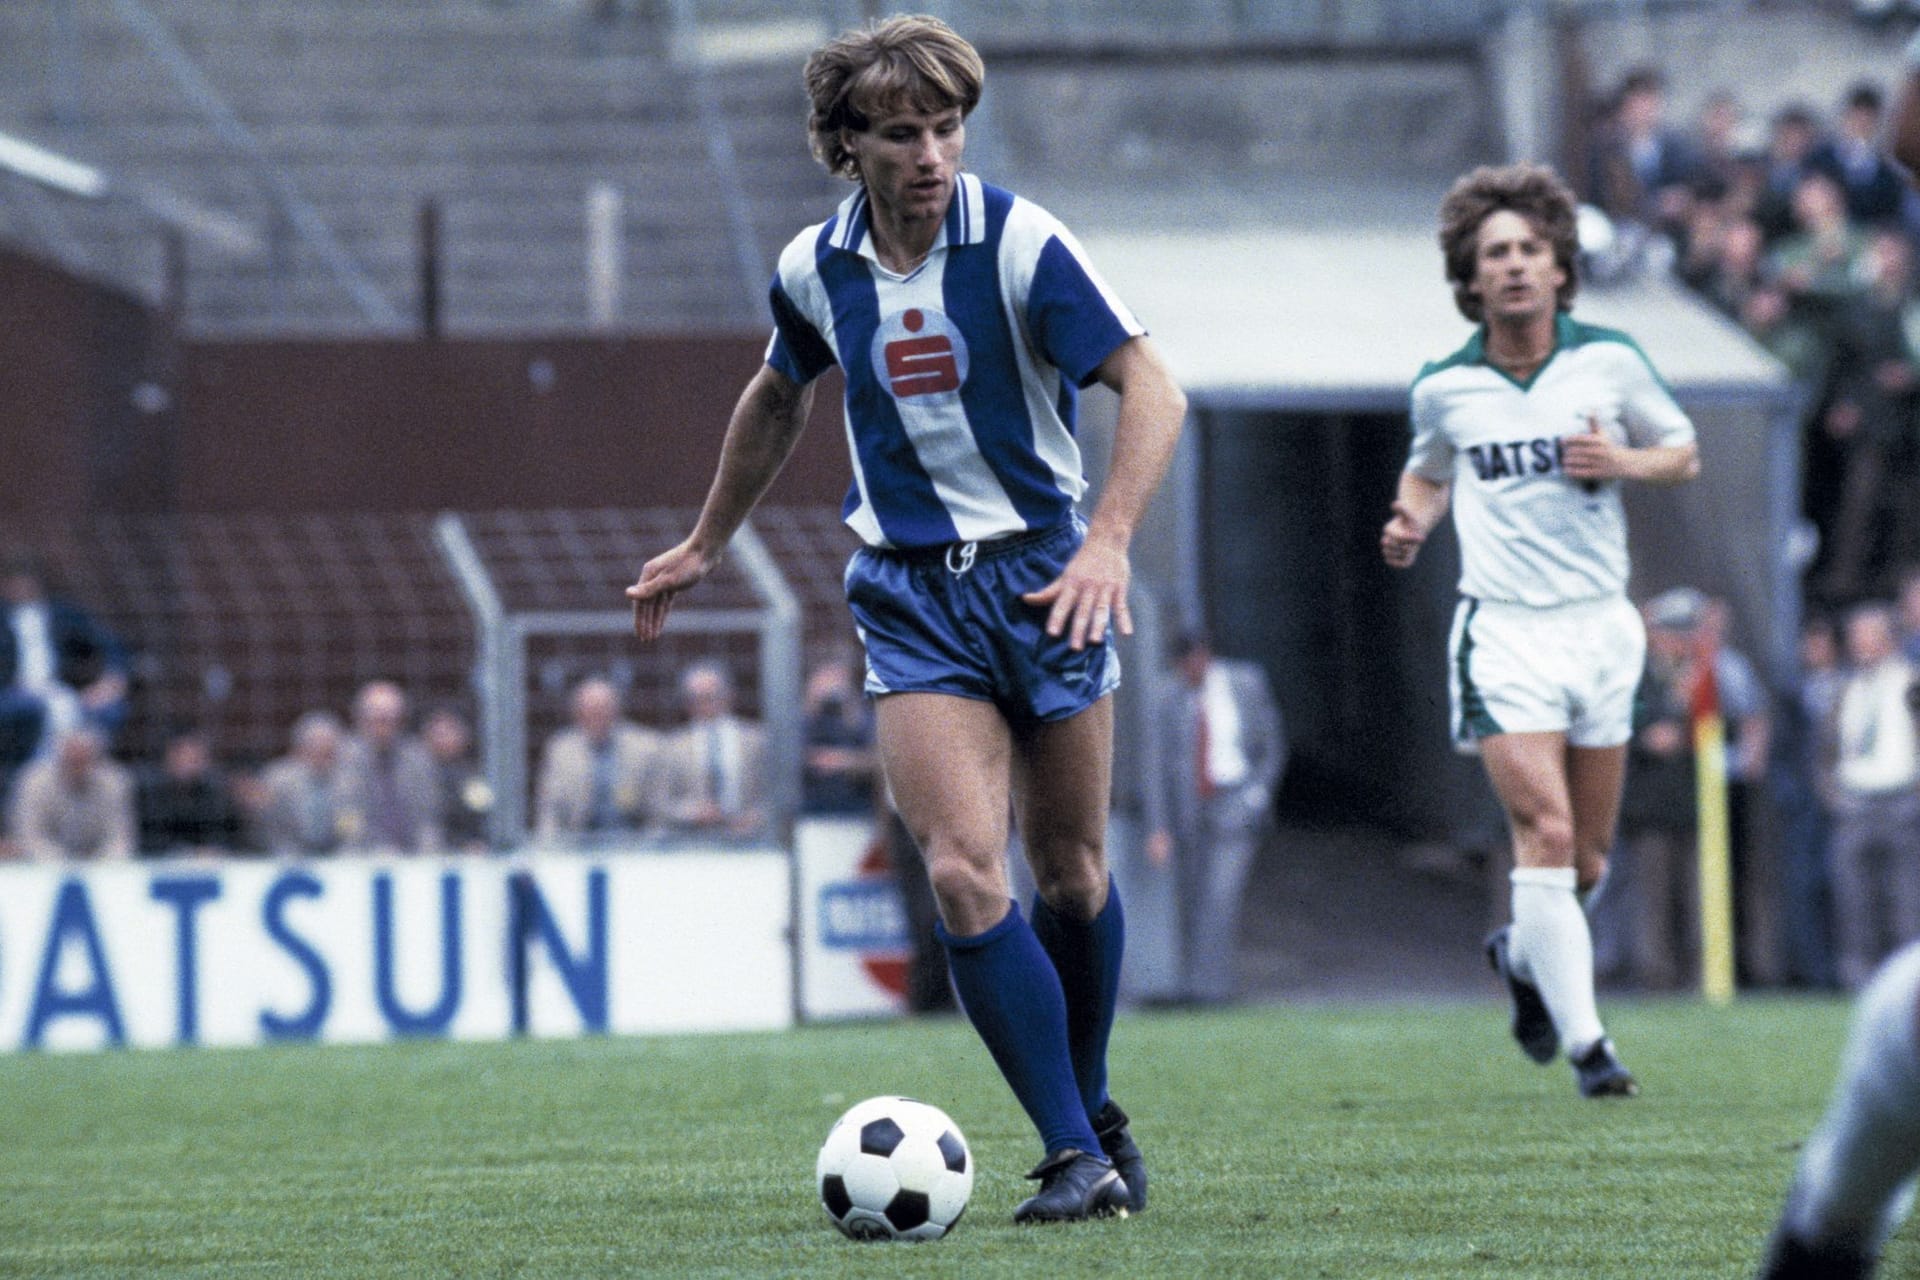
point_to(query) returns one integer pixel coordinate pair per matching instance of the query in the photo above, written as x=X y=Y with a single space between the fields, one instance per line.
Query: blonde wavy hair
x=910 y=62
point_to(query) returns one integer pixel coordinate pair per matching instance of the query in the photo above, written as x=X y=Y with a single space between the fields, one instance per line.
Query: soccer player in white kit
x=1527 y=432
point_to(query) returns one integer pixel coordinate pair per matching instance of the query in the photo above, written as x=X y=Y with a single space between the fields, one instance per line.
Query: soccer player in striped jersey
x=965 y=320
x=1854 y=1183
x=1527 y=432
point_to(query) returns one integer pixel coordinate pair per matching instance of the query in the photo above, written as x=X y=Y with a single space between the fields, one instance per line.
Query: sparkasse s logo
x=919 y=352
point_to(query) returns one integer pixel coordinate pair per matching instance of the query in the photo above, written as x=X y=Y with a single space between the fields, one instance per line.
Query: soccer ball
x=894 y=1169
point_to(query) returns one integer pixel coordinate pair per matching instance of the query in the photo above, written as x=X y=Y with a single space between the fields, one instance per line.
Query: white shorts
x=1571 y=669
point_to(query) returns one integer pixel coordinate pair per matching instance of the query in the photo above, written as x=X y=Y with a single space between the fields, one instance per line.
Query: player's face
x=1515 y=276
x=909 y=161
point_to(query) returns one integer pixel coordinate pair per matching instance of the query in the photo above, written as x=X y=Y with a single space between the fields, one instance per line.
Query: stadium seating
x=243 y=622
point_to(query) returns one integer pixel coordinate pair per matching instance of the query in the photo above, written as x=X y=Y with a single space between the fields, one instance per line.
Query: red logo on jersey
x=918 y=353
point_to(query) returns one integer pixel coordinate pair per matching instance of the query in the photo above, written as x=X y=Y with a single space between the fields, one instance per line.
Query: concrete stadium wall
x=102 y=412
x=73 y=432
x=1192 y=119
x=366 y=425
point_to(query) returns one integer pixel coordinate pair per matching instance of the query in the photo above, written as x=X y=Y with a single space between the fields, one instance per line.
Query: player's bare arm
x=766 y=424
x=1091 y=592
x=1418 y=506
x=1593 y=455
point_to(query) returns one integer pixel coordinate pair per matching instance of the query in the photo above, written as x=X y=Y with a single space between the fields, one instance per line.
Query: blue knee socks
x=1086 y=954
x=1012 y=996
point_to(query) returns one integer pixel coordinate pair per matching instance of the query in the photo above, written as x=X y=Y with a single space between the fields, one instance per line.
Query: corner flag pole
x=1716 y=854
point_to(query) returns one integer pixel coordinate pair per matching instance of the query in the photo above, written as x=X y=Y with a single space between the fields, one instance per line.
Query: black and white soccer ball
x=894 y=1169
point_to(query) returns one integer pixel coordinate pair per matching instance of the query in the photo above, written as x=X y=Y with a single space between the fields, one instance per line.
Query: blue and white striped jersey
x=963 y=375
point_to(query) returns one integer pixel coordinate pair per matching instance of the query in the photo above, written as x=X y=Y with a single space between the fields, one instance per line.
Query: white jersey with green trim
x=1528 y=533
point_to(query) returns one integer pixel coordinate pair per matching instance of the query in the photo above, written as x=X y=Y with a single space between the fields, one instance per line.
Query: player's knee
x=1073 y=886
x=964 y=884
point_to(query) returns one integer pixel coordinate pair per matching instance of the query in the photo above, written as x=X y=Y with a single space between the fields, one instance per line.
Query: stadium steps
x=506 y=113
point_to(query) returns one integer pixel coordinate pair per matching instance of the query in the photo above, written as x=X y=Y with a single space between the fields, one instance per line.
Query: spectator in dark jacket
x=58 y=667
x=1853 y=158
x=185 y=804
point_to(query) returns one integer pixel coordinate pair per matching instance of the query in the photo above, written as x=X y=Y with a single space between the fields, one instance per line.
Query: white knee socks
x=1850 y=1182
x=1551 y=947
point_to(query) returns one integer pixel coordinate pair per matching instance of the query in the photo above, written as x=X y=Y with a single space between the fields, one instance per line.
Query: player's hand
x=662 y=578
x=1089 y=595
x=1401 y=538
x=1160 y=848
x=1590 y=454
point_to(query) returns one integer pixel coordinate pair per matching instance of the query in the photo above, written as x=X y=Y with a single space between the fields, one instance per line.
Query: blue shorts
x=946 y=620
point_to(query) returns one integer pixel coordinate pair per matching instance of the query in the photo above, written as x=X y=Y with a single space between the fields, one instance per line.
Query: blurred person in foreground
x=712 y=776
x=965 y=319
x=1854 y=1181
x=1221 y=749
x=301 y=811
x=1527 y=433
x=74 y=803
x=389 y=794
x=466 y=797
x=1853 y=1184
x=185 y=804
x=595 y=775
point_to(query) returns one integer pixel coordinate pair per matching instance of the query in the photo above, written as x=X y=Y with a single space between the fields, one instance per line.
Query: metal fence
x=546 y=621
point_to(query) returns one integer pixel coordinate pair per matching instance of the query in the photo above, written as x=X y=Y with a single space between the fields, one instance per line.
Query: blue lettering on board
x=585 y=976
x=862 y=915
x=306 y=1024
x=434 y=1021
x=73 y=919
x=186 y=894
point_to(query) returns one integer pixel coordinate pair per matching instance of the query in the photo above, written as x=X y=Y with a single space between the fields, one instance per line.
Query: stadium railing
x=496 y=558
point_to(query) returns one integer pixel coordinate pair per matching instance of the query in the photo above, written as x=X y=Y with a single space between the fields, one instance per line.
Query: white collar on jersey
x=966 y=221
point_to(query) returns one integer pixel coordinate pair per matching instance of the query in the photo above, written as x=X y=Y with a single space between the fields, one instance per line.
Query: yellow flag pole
x=1716 y=852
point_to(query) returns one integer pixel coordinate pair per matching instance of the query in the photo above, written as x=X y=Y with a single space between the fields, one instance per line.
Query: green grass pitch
x=1336 y=1141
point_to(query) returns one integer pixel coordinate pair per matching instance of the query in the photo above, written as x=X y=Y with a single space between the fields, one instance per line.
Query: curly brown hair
x=1533 y=191
x=909 y=62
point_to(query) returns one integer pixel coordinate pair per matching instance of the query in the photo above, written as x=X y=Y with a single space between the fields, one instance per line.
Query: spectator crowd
x=385 y=778
x=1802 y=230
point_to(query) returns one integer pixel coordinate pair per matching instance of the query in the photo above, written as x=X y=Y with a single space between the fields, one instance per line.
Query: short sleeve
x=1647 y=408
x=796 y=348
x=1431 y=454
x=1075 y=320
